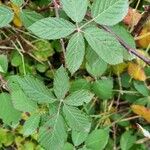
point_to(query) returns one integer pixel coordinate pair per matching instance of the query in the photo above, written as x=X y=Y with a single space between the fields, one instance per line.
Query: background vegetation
x=74 y=74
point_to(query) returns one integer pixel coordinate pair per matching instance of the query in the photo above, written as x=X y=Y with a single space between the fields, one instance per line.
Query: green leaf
x=16 y=59
x=31 y=124
x=68 y=146
x=53 y=133
x=17 y=2
x=78 y=137
x=6 y=16
x=78 y=98
x=79 y=84
x=105 y=45
x=52 y=28
x=61 y=83
x=94 y=64
x=103 y=88
x=109 y=12
x=127 y=140
x=35 y=90
x=76 y=119
x=141 y=88
x=3 y=63
x=124 y=34
x=21 y=102
x=29 y=17
x=75 y=9
x=98 y=139
x=8 y=113
x=75 y=52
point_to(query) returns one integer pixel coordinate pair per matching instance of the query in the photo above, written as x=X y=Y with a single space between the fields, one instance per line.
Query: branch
x=141 y=22
x=126 y=46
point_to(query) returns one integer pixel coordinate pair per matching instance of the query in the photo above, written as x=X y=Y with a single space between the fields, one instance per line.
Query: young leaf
x=53 y=133
x=105 y=45
x=78 y=98
x=108 y=12
x=75 y=52
x=6 y=16
x=127 y=140
x=29 y=17
x=21 y=102
x=31 y=124
x=75 y=9
x=52 y=28
x=3 y=63
x=103 y=88
x=61 y=83
x=95 y=65
x=35 y=90
x=98 y=139
x=76 y=119
x=8 y=113
x=78 y=137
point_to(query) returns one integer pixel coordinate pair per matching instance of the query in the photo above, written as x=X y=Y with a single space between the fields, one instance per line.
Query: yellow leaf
x=16 y=20
x=141 y=111
x=144 y=41
x=136 y=72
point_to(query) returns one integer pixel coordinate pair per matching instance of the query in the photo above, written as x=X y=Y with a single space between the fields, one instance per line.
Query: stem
x=56 y=7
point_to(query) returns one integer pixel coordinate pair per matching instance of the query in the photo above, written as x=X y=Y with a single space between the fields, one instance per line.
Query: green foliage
x=98 y=139
x=6 y=16
x=52 y=28
x=8 y=113
x=104 y=12
x=29 y=17
x=75 y=9
x=61 y=83
x=3 y=63
x=127 y=140
x=103 y=44
x=58 y=87
x=31 y=124
x=75 y=52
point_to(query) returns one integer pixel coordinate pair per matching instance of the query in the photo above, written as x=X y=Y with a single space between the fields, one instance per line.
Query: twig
x=126 y=46
x=141 y=22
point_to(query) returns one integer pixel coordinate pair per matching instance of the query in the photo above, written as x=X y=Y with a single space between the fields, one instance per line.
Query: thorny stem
x=126 y=46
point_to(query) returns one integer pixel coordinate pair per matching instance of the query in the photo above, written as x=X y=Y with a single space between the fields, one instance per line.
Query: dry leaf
x=132 y=17
x=141 y=111
x=144 y=36
x=136 y=72
x=16 y=20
